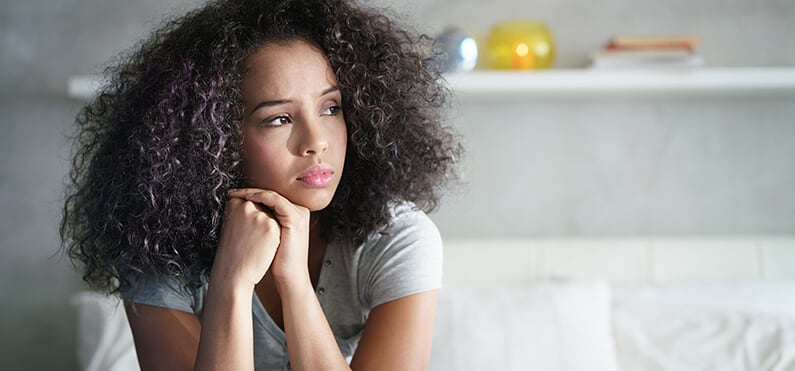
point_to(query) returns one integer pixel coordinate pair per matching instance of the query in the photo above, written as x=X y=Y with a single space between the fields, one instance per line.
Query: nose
x=312 y=138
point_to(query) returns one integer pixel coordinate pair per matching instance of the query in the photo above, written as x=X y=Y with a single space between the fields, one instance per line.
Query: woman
x=252 y=183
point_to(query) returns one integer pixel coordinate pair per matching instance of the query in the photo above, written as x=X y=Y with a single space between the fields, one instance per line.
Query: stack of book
x=648 y=52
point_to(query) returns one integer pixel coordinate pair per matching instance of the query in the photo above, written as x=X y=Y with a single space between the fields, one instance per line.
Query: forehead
x=284 y=68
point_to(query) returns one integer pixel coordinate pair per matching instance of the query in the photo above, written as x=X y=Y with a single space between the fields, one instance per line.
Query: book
x=652 y=41
x=643 y=53
x=648 y=51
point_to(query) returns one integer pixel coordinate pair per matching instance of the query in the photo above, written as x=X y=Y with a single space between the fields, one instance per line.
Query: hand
x=249 y=241
x=290 y=265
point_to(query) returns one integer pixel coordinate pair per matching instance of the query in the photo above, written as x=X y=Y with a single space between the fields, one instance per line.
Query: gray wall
x=618 y=165
x=42 y=43
x=586 y=166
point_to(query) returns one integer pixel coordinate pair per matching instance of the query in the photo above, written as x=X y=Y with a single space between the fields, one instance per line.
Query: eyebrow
x=271 y=103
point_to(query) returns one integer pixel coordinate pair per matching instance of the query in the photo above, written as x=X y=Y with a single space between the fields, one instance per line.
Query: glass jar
x=521 y=45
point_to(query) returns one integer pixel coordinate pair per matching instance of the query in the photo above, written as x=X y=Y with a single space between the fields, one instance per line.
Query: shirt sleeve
x=406 y=259
x=161 y=291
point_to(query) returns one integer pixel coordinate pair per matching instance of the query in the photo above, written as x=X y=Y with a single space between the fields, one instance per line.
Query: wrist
x=229 y=282
x=294 y=284
x=225 y=298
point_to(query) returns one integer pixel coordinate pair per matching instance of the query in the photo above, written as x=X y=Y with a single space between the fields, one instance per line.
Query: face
x=294 y=132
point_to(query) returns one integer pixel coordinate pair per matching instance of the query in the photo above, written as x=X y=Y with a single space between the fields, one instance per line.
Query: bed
x=563 y=304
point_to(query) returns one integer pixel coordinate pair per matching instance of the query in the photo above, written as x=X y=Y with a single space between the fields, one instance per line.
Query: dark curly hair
x=157 y=149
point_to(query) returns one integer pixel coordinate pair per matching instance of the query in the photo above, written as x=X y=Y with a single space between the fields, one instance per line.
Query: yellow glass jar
x=520 y=45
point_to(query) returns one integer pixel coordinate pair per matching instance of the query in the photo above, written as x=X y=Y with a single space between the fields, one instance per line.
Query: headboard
x=491 y=262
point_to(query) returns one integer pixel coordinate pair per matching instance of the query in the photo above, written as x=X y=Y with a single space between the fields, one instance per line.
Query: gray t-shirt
x=403 y=259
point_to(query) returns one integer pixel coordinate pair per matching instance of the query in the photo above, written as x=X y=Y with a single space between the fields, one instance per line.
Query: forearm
x=227 y=339
x=310 y=342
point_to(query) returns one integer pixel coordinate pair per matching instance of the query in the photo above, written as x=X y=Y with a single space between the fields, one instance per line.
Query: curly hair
x=159 y=146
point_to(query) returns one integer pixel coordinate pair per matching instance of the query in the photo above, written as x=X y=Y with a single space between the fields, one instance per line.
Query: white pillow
x=706 y=327
x=555 y=326
x=105 y=341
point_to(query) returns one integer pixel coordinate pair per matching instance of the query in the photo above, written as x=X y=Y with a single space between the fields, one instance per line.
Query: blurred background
x=575 y=164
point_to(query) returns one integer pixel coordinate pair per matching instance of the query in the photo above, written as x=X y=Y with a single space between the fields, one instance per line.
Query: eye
x=277 y=121
x=332 y=110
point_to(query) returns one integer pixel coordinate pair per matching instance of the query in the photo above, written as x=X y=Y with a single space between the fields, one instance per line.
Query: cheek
x=260 y=159
x=341 y=138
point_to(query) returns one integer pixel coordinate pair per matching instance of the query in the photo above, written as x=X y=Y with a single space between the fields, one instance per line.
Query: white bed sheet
x=705 y=327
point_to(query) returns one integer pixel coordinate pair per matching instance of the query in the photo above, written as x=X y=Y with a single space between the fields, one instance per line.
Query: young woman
x=252 y=183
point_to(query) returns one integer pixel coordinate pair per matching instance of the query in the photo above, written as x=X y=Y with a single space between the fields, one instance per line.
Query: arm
x=227 y=334
x=401 y=279
x=165 y=339
x=398 y=334
x=248 y=244
x=310 y=342
x=397 y=337
x=169 y=339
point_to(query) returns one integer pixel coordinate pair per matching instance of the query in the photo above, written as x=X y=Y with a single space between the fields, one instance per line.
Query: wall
x=584 y=166
x=734 y=32
x=42 y=43
x=606 y=166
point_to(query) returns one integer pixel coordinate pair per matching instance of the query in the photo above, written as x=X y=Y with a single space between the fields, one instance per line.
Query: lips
x=317 y=176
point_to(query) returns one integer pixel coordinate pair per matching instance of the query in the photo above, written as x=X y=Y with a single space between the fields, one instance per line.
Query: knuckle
x=249 y=206
x=272 y=224
x=261 y=218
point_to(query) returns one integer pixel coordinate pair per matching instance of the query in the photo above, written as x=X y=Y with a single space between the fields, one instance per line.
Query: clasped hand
x=263 y=230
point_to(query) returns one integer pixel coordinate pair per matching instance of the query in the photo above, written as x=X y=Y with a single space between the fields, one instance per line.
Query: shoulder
x=403 y=258
x=162 y=290
x=409 y=231
x=407 y=223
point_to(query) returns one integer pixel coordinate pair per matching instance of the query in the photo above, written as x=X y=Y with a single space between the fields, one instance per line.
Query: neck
x=314 y=230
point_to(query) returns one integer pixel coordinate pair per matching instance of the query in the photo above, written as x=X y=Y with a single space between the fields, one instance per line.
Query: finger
x=260 y=207
x=241 y=192
x=248 y=194
x=281 y=206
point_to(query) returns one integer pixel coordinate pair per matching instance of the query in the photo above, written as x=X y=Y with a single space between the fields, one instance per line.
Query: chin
x=316 y=206
x=313 y=202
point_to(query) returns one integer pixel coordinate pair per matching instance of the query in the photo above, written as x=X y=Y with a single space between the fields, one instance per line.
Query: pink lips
x=317 y=176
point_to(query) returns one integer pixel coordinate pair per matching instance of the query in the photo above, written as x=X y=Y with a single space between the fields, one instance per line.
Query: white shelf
x=588 y=81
